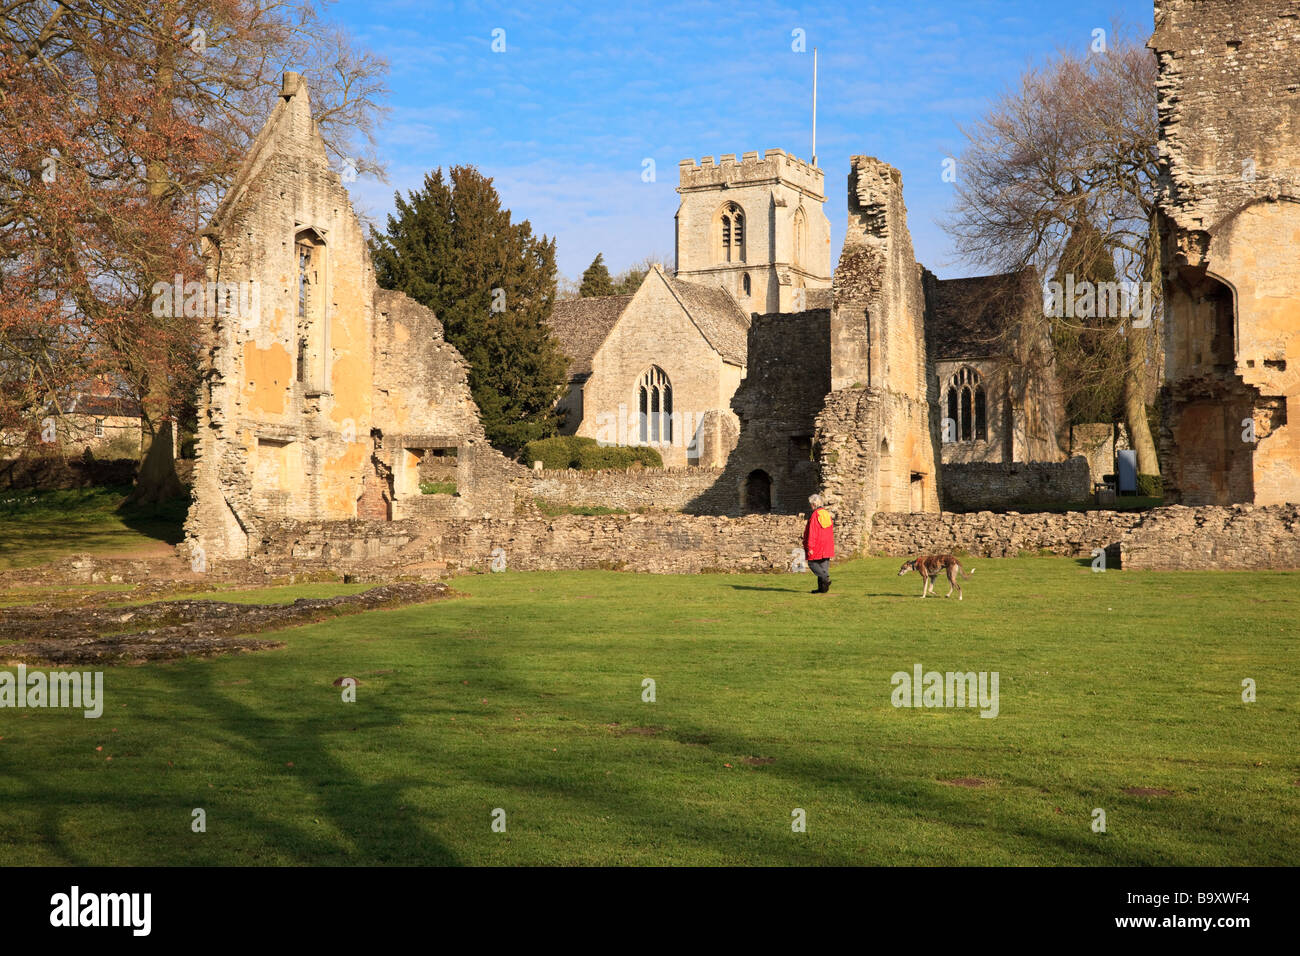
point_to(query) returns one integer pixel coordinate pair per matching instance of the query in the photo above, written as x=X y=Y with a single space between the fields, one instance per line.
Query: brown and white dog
x=929 y=566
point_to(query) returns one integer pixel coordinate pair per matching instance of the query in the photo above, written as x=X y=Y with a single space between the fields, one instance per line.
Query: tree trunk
x=1135 y=406
x=157 y=480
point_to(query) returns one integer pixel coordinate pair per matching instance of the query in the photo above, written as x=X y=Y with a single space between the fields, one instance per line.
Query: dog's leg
x=951 y=582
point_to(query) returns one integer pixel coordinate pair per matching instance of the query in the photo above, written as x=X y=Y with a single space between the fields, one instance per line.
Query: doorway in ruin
x=756 y=493
x=376 y=500
x=917 y=492
x=1207 y=461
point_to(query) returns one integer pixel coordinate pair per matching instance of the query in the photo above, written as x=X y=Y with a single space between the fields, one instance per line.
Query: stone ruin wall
x=271 y=446
x=876 y=440
x=986 y=534
x=335 y=427
x=660 y=489
x=650 y=543
x=1210 y=538
x=423 y=406
x=1229 y=201
x=786 y=382
x=1175 y=538
x=978 y=486
x=1237 y=538
x=1097 y=442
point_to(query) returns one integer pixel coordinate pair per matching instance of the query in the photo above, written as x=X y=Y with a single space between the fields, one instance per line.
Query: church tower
x=757 y=228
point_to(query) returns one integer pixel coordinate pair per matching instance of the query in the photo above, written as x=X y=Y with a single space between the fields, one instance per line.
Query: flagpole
x=814 y=130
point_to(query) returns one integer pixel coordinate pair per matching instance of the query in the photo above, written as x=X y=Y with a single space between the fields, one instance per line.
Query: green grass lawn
x=40 y=526
x=525 y=694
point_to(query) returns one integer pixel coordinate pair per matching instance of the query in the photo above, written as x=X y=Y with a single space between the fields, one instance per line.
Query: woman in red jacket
x=819 y=543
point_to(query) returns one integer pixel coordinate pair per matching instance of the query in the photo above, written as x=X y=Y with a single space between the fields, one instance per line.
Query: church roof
x=581 y=326
x=965 y=318
x=717 y=315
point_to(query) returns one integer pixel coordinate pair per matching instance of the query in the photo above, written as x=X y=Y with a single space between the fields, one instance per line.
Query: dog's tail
x=963 y=571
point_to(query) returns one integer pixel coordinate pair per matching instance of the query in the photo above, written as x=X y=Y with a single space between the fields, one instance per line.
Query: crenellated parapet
x=776 y=165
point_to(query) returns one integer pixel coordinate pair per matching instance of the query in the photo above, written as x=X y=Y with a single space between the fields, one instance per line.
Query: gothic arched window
x=309 y=252
x=730 y=230
x=800 y=236
x=966 y=407
x=655 y=401
x=744 y=284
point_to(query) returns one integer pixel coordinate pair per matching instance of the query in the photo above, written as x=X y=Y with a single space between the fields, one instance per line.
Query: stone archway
x=756 y=493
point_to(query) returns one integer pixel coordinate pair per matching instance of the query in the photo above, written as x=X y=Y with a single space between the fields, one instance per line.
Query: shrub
x=1151 y=486
x=555 y=453
x=594 y=457
x=571 y=451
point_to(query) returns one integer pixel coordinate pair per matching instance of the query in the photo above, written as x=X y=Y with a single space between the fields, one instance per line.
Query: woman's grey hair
x=816 y=501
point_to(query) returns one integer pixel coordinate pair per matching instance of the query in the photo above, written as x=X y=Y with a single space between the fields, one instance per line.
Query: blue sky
x=585 y=92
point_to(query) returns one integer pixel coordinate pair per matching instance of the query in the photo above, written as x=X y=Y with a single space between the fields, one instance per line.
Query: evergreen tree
x=596 y=280
x=1090 y=359
x=491 y=282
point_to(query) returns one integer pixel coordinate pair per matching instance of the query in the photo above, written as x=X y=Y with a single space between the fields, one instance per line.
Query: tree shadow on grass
x=370 y=825
x=368 y=812
x=682 y=820
x=163 y=522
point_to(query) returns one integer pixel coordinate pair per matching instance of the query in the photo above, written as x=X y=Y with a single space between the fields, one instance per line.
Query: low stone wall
x=1207 y=538
x=1237 y=538
x=654 y=543
x=664 y=489
x=990 y=535
x=978 y=486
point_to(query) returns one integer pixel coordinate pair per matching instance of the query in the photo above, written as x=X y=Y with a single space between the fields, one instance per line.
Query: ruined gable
x=839 y=399
x=322 y=401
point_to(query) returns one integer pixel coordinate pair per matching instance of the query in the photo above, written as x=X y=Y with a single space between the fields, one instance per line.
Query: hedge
x=586 y=454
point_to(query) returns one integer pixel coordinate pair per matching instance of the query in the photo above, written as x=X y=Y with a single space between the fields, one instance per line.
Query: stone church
x=660 y=367
x=655 y=368
x=755 y=358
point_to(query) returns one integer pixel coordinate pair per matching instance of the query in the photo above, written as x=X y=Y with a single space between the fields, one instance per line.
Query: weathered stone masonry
x=656 y=543
x=665 y=489
x=325 y=403
x=1229 y=217
x=979 y=486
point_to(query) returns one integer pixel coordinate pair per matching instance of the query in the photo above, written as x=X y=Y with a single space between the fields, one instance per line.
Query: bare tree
x=1060 y=177
x=123 y=122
